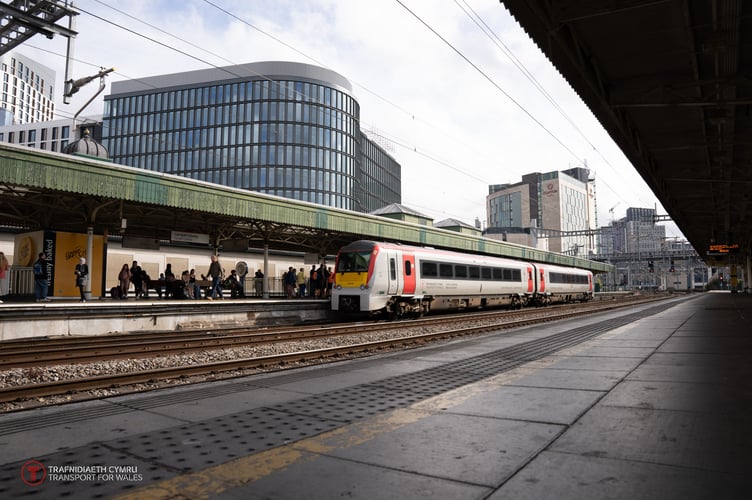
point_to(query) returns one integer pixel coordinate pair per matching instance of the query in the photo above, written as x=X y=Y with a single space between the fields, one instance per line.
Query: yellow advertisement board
x=63 y=251
x=69 y=248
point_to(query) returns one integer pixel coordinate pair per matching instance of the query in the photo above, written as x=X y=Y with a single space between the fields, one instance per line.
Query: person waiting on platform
x=196 y=294
x=124 y=278
x=182 y=288
x=233 y=283
x=215 y=271
x=171 y=283
x=313 y=281
x=82 y=273
x=258 y=280
x=137 y=278
x=301 y=276
x=291 y=281
x=40 y=278
x=4 y=276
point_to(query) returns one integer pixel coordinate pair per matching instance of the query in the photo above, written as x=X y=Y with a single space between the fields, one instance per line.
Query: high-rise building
x=281 y=128
x=546 y=211
x=28 y=90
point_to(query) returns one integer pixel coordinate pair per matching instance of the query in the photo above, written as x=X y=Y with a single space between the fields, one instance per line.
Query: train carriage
x=557 y=284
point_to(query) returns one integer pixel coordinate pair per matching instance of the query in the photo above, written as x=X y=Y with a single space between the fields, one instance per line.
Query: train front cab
x=352 y=277
x=374 y=279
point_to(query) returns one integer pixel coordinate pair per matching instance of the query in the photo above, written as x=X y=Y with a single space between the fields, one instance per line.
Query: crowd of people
x=186 y=286
x=134 y=280
x=315 y=283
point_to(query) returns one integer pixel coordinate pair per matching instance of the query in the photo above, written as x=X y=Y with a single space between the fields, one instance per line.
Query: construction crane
x=611 y=210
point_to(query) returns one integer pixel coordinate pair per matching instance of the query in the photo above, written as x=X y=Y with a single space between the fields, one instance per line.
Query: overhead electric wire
x=496 y=40
x=490 y=80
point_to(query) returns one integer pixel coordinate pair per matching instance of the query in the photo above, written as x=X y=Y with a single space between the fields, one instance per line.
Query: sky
x=454 y=90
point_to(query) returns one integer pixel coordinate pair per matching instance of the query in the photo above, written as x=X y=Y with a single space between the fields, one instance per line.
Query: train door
x=530 y=271
x=394 y=273
x=408 y=265
x=542 y=282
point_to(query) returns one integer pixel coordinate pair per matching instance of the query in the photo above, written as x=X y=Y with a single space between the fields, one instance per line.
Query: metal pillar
x=265 y=293
x=89 y=260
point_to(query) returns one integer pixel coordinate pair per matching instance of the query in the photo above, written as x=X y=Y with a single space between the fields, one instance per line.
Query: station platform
x=654 y=403
x=67 y=317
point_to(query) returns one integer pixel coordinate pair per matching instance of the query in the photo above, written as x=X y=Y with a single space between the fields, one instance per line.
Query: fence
x=21 y=280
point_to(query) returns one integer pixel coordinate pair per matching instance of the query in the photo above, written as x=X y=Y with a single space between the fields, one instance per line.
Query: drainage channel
x=162 y=454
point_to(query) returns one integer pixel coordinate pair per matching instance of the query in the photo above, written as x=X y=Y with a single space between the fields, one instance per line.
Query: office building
x=28 y=90
x=282 y=128
x=53 y=135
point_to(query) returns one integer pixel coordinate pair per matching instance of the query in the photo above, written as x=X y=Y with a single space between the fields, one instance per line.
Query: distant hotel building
x=28 y=90
x=281 y=128
x=544 y=210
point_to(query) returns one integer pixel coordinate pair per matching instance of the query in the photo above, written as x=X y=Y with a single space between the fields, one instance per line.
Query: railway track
x=47 y=352
x=73 y=350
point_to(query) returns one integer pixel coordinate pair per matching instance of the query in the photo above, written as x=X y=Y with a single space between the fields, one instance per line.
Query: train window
x=460 y=271
x=473 y=272
x=516 y=275
x=446 y=271
x=485 y=273
x=393 y=269
x=497 y=274
x=429 y=270
x=408 y=268
x=507 y=275
x=353 y=262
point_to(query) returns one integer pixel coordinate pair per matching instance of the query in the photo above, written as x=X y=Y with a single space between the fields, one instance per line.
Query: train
x=380 y=278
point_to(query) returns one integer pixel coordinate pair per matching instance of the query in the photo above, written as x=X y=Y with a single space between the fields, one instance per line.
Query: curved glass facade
x=288 y=133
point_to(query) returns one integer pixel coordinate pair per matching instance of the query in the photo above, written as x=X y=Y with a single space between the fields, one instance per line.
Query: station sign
x=196 y=238
x=723 y=248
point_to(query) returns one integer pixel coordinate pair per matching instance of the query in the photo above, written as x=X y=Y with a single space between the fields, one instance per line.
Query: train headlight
x=364 y=287
x=338 y=287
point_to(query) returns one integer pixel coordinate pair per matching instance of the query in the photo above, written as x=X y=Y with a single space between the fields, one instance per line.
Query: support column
x=265 y=292
x=89 y=260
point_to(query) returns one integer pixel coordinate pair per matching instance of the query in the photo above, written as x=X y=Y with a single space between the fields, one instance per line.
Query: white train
x=392 y=279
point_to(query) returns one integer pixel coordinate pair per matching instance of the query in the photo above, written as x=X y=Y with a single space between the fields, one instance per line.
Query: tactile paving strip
x=196 y=446
x=351 y=403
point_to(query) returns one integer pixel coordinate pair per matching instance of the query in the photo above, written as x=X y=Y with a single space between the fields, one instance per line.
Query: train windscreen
x=353 y=262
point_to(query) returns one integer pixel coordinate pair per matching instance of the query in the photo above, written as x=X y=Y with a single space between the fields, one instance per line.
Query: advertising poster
x=62 y=251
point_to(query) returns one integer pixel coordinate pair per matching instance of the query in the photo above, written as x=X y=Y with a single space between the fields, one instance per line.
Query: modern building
x=54 y=135
x=554 y=211
x=28 y=90
x=282 y=128
x=637 y=235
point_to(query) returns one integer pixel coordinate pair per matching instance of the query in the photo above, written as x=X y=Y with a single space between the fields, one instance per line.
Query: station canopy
x=44 y=190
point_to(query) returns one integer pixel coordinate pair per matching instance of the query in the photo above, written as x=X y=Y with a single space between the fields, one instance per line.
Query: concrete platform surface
x=655 y=404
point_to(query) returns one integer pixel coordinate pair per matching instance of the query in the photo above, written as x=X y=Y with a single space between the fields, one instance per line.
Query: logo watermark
x=35 y=473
